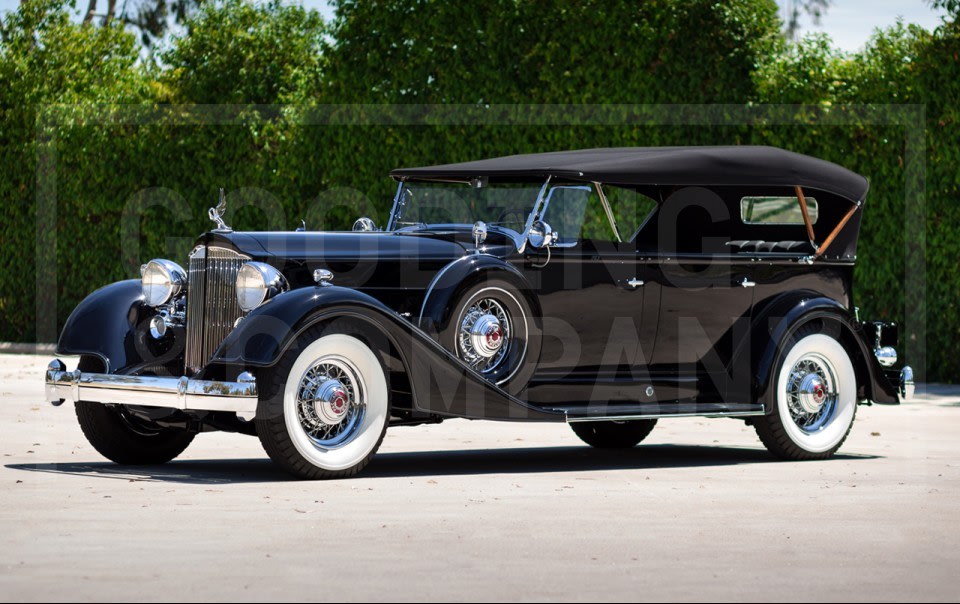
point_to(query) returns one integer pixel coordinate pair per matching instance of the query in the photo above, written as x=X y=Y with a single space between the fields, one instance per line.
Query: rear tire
x=814 y=399
x=613 y=434
x=325 y=406
x=127 y=441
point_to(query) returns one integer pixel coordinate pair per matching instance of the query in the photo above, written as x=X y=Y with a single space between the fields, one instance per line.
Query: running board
x=602 y=413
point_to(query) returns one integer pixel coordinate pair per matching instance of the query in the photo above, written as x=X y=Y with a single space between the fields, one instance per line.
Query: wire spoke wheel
x=325 y=406
x=811 y=393
x=491 y=327
x=814 y=399
x=330 y=401
x=485 y=334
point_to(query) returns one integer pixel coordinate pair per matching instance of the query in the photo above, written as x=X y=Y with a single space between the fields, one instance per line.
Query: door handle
x=747 y=283
x=634 y=283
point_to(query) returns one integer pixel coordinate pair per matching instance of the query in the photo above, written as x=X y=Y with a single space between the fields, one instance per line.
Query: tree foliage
x=815 y=9
x=506 y=51
x=238 y=52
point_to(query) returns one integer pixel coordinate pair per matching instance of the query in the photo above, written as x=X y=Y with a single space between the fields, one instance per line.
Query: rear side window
x=776 y=210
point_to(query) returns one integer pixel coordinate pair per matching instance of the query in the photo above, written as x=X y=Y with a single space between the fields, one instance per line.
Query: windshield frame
x=519 y=239
x=536 y=213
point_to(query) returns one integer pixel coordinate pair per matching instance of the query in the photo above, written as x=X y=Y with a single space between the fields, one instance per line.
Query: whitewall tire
x=814 y=399
x=326 y=407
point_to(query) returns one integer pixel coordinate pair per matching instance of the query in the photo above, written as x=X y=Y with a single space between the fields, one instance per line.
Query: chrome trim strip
x=609 y=211
x=196 y=300
x=608 y=418
x=533 y=214
x=151 y=391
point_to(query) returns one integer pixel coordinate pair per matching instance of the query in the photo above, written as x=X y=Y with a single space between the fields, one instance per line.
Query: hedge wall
x=116 y=145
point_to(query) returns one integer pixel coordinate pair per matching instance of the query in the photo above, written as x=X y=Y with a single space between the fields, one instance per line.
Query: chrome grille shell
x=212 y=307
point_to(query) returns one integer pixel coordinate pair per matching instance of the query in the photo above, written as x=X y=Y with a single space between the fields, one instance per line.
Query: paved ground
x=475 y=510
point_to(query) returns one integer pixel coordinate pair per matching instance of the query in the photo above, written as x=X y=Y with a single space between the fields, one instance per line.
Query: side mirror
x=365 y=224
x=541 y=235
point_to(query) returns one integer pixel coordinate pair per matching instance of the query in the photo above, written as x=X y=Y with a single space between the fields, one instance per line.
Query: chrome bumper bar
x=151 y=391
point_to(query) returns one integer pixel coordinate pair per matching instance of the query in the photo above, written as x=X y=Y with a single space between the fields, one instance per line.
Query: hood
x=278 y=247
x=396 y=267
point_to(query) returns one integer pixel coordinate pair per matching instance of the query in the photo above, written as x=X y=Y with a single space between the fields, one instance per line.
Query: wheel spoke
x=330 y=402
x=811 y=396
x=485 y=314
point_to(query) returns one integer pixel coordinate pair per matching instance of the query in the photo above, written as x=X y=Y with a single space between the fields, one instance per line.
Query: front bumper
x=151 y=391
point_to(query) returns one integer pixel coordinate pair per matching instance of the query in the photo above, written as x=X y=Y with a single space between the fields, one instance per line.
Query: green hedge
x=113 y=142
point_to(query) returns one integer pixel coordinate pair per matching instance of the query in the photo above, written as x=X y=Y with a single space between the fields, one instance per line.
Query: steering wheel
x=520 y=213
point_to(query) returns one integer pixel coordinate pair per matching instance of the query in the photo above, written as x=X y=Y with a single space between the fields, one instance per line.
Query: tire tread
x=106 y=432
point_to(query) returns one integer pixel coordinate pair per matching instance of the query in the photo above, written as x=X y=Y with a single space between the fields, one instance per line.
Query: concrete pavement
x=479 y=510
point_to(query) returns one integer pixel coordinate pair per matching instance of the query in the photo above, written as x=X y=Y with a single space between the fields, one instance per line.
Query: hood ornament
x=216 y=214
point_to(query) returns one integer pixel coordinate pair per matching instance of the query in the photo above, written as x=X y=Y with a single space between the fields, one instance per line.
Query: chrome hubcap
x=484 y=336
x=812 y=393
x=330 y=402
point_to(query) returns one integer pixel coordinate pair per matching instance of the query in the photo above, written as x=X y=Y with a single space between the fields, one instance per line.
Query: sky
x=848 y=22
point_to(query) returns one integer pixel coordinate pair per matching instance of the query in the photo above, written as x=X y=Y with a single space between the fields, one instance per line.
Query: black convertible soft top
x=631 y=166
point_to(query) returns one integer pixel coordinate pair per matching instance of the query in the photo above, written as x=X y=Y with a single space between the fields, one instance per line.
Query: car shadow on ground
x=526 y=460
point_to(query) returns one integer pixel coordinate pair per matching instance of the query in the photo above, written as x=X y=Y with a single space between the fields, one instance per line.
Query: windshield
x=421 y=205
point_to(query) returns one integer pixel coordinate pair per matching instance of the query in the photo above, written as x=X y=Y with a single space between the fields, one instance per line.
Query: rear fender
x=779 y=320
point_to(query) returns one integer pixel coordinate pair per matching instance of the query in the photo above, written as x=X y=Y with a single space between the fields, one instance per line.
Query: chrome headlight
x=161 y=280
x=256 y=283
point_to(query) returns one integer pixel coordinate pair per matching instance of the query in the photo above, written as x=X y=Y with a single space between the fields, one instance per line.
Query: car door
x=596 y=342
x=706 y=295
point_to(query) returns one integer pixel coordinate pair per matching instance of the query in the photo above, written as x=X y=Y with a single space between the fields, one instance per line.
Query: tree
x=510 y=51
x=152 y=18
x=951 y=6
x=236 y=51
x=814 y=8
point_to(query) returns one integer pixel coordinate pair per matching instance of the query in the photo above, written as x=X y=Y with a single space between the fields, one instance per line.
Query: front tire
x=614 y=434
x=814 y=401
x=125 y=440
x=325 y=408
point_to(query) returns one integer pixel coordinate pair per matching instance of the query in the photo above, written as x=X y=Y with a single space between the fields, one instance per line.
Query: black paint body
x=691 y=340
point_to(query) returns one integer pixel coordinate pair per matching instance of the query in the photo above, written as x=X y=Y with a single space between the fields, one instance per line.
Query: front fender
x=267 y=331
x=774 y=325
x=440 y=383
x=104 y=325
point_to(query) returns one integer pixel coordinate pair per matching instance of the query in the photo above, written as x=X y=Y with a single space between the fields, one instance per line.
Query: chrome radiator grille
x=212 y=307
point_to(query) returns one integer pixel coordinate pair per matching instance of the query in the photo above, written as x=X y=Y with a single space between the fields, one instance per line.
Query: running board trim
x=608 y=418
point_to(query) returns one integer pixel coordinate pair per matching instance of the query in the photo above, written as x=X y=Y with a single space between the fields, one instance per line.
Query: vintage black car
x=606 y=288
